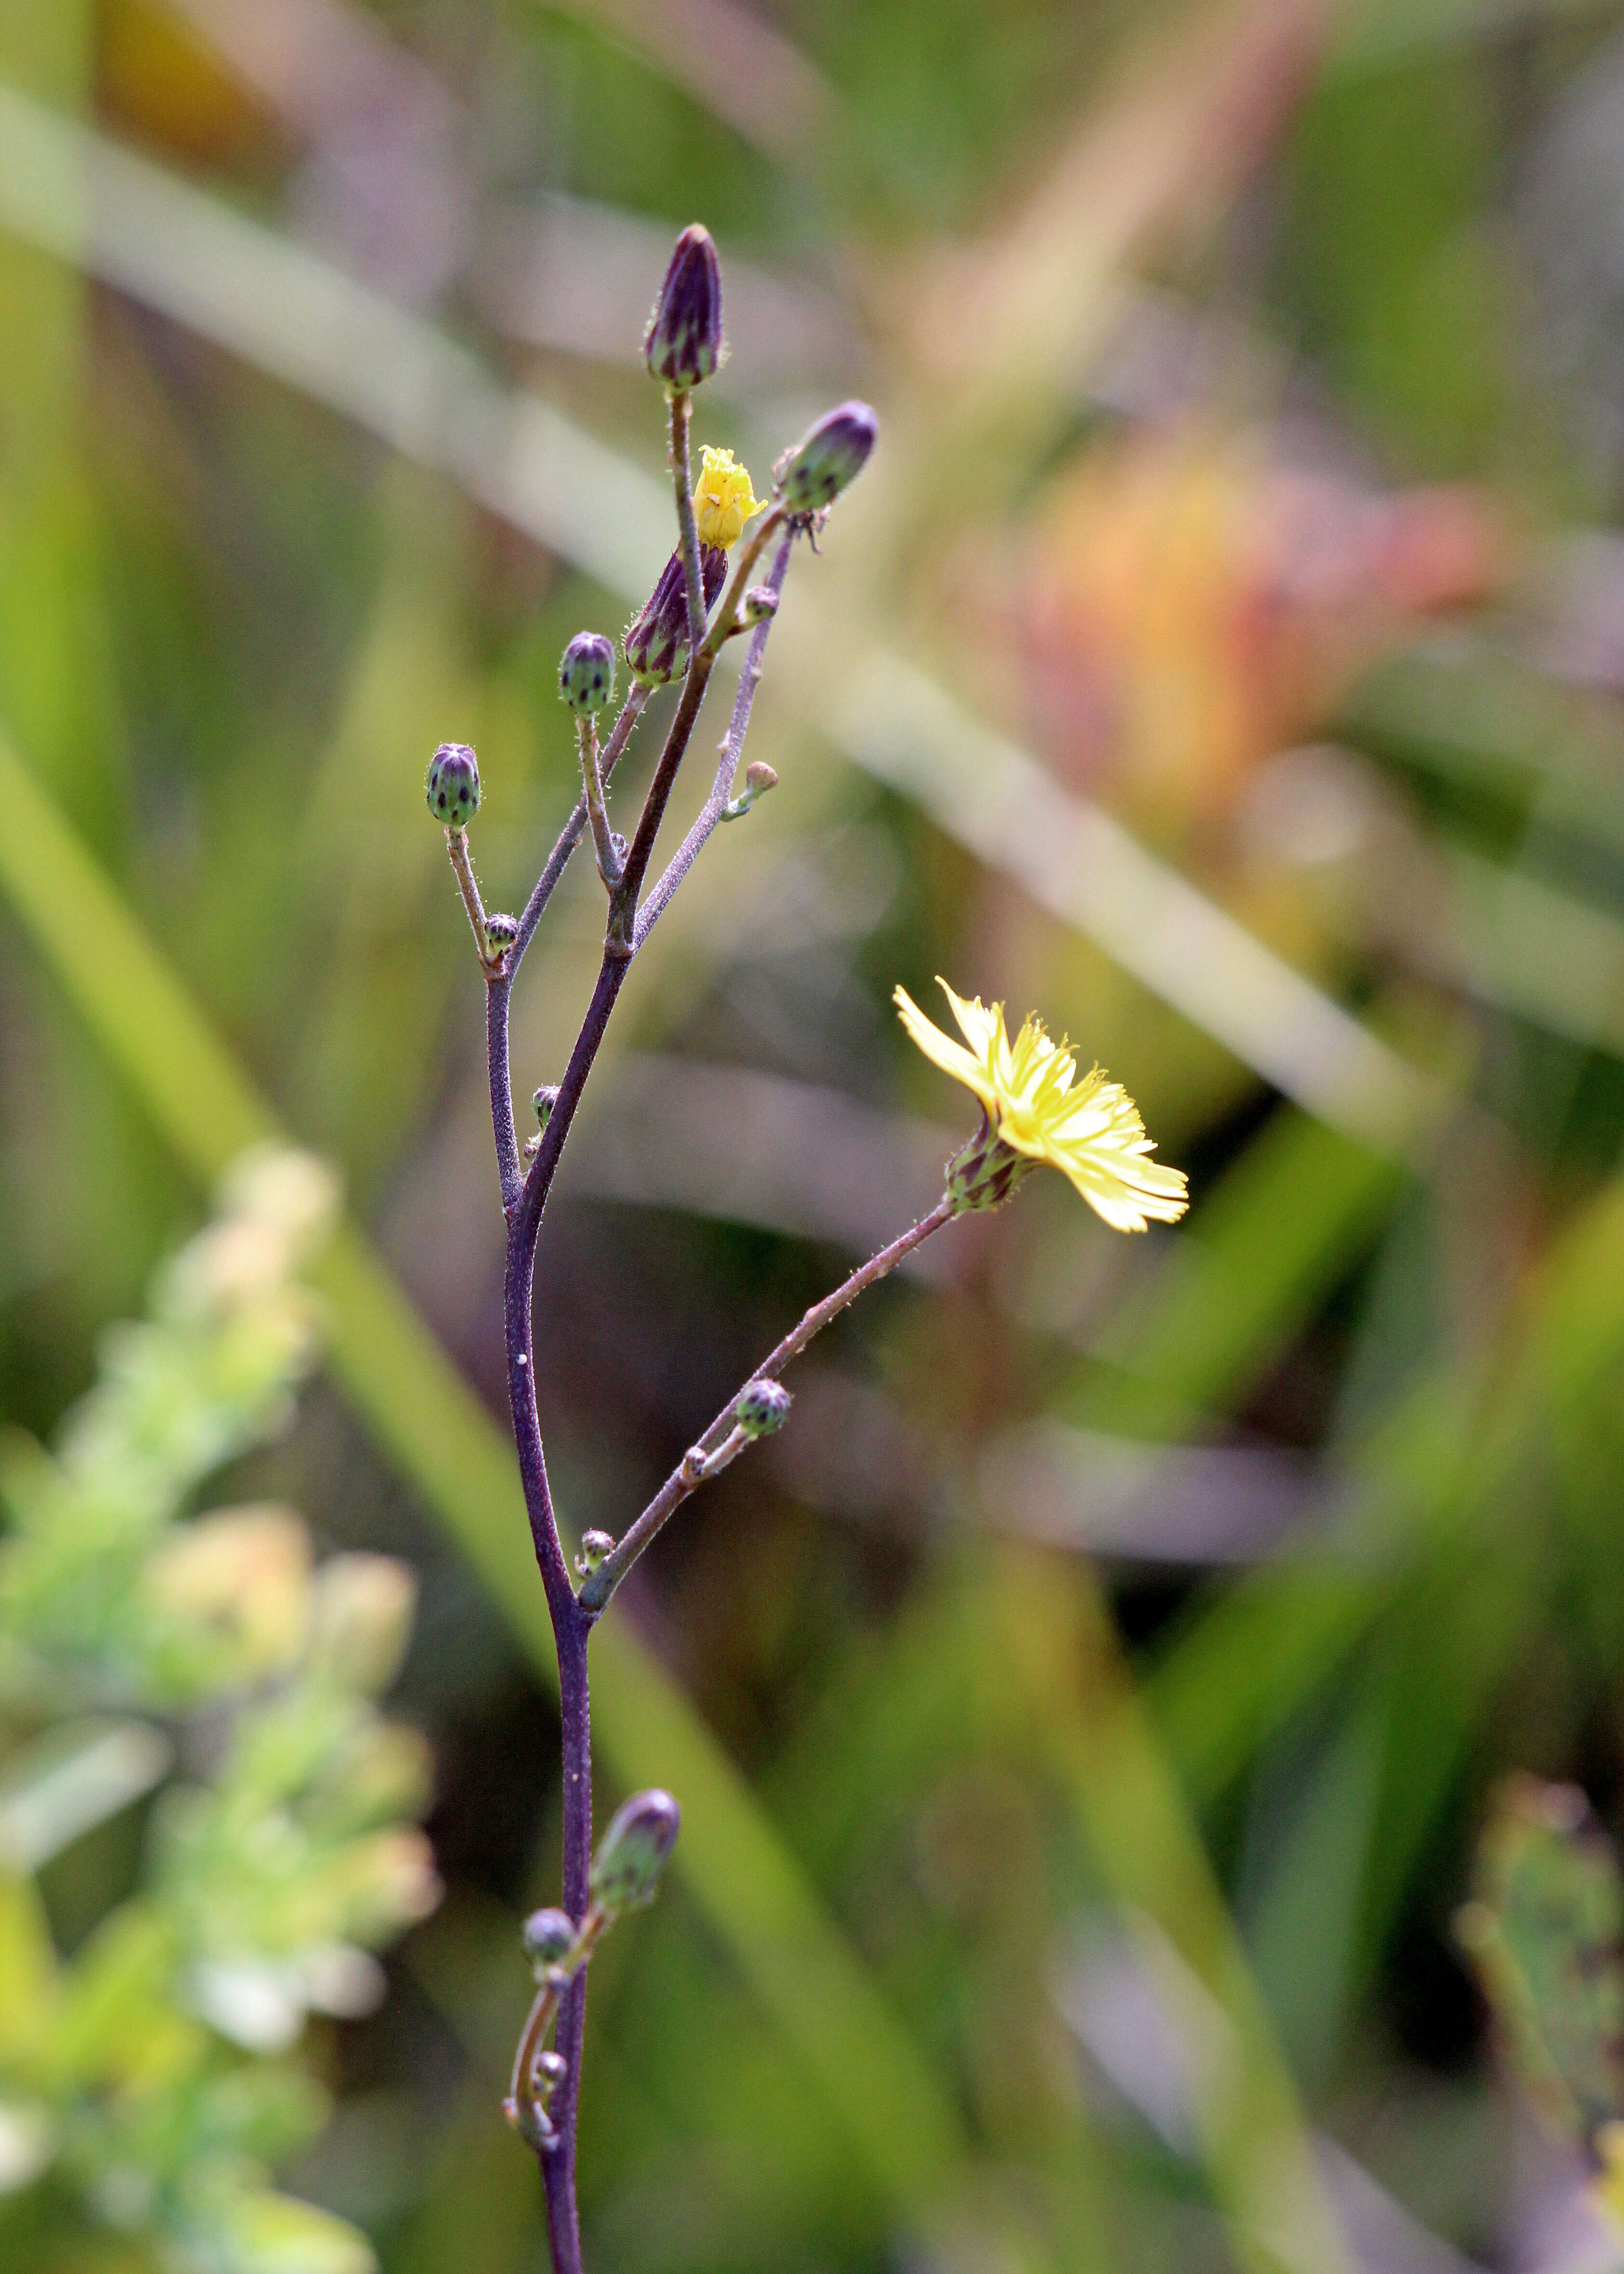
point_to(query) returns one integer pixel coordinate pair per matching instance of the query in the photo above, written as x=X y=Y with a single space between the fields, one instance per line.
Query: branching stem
x=701 y=1461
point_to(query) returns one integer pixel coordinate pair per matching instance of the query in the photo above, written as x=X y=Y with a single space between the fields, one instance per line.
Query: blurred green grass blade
x=1444 y=1468
x=900 y=2121
x=1263 y=1250
x=1152 y=1860
x=1013 y=1652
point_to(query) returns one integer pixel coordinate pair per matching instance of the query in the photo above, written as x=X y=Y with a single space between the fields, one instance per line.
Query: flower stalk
x=1030 y=1113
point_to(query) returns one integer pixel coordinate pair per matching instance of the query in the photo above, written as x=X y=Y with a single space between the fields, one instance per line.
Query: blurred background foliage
x=1085 y=1713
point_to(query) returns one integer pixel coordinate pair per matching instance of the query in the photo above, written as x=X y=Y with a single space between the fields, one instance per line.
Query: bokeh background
x=1086 y=1712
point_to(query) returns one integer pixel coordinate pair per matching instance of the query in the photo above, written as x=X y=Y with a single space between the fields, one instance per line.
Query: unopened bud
x=544 y=1100
x=586 y=672
x=549 y=1937
x=759 y=777
x=657 y=638
x=763 y=1407
x=827 y=459
x=453 y=784
x=632 y=1852
x=594 y=1546
x=551 y=2069
x=683 y=345
x=501 y=931
x=760 y=602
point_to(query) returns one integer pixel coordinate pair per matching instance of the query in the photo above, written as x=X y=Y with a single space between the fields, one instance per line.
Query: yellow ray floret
x=723 y=499
x=1091 y=1132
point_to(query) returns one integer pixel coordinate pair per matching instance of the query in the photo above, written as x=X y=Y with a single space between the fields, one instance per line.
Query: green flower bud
x=763 y=1407
x=501 y=931
x=760 y=602
x=586 y=672
x=594 y=1546
x=632 y=1852
x=759 y=777
x=827 y=459
x=986 y=1172
x=655 y=639
x=548 y=1937
x=453 y=784
x=683 y=345
x=544 y=1100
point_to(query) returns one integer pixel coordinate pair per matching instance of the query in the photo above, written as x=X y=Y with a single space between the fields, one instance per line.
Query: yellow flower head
x=723 y=499
x=1092 y=1133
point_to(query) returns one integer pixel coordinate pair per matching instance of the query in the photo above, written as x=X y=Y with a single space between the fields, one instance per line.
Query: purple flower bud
x=501 y=931
x=657 y=638
x=586 y=672
x=827 y=459
x=760 y=602
x=632 y=1852
x=453 y=784
x=683 y=344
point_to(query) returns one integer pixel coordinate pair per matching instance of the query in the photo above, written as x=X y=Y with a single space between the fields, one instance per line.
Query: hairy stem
x=559 y=2164
x=597 y=812
x=682 y=414
x=462 y=869
x=698 y=1462
x=732 y=742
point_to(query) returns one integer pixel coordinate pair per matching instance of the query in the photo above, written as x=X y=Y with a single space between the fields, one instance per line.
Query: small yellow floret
x=723 y=499
x=1092 y=1133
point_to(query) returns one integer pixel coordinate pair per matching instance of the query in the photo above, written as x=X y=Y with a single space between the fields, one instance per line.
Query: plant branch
x=699 y=1462
x=462 y=869
x=500 y=981
x=682 y=414
x=725 y=623
x=597 y=812
x=731 y=743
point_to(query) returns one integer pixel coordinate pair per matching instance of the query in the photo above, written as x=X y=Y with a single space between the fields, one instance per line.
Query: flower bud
x=544 y=1100
x=763 y=1407
x=827 y=459
x=760 y=602
x=632 y=1852
x=985 y=1172
x=454 y=785
x=501 y=931
x=586 y=672
x=548 y=1937
x=594 y=1546
x=551 y=2069
x=759 y=777
x=683 y=345
x=657 y=639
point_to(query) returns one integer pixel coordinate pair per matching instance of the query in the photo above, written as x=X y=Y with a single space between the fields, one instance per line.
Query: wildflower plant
x=1034 y=1109
x=150 y=2082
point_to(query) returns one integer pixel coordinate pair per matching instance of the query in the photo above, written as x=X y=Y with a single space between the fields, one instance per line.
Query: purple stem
x=523 y=1204
x=732 y=742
